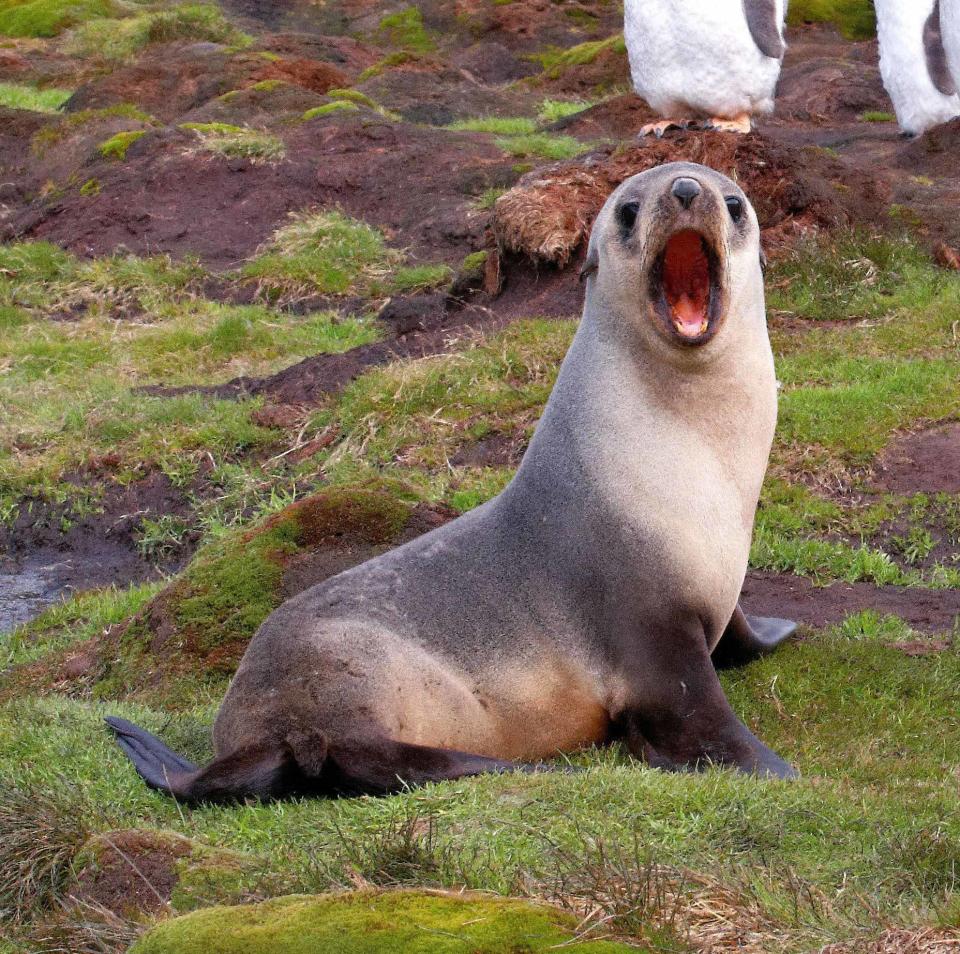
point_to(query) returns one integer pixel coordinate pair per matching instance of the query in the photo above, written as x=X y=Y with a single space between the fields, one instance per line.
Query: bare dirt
x=794 y=597
x=923 y=462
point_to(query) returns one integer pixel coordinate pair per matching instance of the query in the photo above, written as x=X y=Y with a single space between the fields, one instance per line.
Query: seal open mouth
x=684 y=282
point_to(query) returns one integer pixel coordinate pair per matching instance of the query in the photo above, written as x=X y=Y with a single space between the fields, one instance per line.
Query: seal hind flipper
x=156 y=764
x=302 y=764
x=749 y=637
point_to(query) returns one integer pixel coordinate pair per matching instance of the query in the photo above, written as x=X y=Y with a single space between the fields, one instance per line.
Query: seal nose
x=685 y=190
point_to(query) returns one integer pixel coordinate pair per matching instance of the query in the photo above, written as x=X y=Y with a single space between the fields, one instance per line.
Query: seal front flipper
x=682 y=720
x=749 y=637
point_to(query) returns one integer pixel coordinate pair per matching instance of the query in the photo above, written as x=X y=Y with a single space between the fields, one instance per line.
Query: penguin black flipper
x=749 y=637
x=936 y=55
x=764 y=27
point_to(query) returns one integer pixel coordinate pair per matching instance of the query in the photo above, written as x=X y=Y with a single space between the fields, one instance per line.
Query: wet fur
x=579 y=605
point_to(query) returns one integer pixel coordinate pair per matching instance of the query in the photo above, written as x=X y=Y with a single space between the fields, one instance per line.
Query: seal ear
x=590 y=264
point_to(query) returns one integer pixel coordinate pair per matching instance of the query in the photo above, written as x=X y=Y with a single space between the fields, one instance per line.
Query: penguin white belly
x=950 y=33
x=699 y=56
x=904 y=66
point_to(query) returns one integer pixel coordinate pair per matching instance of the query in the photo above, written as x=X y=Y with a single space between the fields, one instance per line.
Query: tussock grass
x=320 y=253
x=405 y=29
x=120 y=39
x=237 y=142
x=21 y=96
x=41 y=830
x=44 y=18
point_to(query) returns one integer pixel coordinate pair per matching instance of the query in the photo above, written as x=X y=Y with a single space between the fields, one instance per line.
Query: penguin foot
x=659 y=128
x=739 y=124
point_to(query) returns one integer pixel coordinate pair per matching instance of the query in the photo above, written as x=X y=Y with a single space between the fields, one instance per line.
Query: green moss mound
x=365 y=922
x=855 y=19
x=116 y=146
x=48 y=17
x=199 y=626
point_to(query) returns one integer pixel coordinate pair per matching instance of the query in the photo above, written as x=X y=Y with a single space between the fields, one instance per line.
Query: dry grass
x=83 y=927
x=902 y=941
x=547 y=218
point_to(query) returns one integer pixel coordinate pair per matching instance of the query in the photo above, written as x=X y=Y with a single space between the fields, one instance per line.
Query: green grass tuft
x=499 y=125
x=339 y=106
x=20 y=96
x=553 y=110
x=543 y=146
x=120 y=39
x=405 y=30
x=876 y=116
x=556 y=60
x=319 y=253
x=414 y=278
x=237 y=142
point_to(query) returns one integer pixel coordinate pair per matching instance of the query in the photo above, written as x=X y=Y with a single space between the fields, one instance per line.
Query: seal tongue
x=686 y=283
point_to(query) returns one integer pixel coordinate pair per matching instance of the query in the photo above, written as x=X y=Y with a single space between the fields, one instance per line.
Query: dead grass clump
x=902 y=941
x=402 y=851
x=550 y=211
x=40 y=834
x=83 y=927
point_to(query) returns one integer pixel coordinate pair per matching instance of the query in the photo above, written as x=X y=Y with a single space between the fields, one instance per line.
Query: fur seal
x=581 y=604
x=705 y=58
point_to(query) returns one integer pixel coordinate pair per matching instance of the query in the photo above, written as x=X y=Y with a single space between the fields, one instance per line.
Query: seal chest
x=583 y=602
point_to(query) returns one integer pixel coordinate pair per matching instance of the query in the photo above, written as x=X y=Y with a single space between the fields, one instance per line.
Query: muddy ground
x=815 y=165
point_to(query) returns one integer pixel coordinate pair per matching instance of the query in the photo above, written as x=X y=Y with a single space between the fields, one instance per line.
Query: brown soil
x=924 y=462
x=133 y=871
x=794 y=597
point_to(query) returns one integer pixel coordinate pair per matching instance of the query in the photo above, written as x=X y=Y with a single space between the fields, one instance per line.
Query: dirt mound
x=317 y=77
x=925 y=462
x=935 y=152
x=166 y=198
x=549 y=213
x=132 y=871
x=347 y=54
x=619 y=117
x=795 y=597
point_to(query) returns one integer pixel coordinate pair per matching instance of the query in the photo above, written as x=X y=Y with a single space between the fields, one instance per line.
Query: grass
x=340 y=106
x=237 y=142
x=855 y=19
x=553 y=110
x=557 y=60
x=542 y=146
x=405 y=30
x=45 y=18
x=876 y=116
x=120 y=39
x=21 y=96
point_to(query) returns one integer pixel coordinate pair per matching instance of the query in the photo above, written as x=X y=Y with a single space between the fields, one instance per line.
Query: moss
x=218 y=603
x=48 y=17
x=268 y=85
x=876 y=116
x=339 y=106
x=855 y=19
x=556 y=61
x=413 y=922
x=353 y=96
x=90 y=187
x=387 y=63
x=405 y=30
x=542 y=145
x=49 y=137
x=116 y=146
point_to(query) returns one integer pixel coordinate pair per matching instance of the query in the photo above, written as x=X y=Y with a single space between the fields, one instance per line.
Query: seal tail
x=302 y=764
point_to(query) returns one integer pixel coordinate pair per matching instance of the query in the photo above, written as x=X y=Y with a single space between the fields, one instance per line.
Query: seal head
x=672 y=237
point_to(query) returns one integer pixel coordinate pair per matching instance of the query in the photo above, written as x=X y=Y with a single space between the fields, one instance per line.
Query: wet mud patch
x=795 y=597
x=93 y=540
x=923 y=462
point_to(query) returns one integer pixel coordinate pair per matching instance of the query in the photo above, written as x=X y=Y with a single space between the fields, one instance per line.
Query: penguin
x=913 y=64
x=950 y=36
x=713 y=60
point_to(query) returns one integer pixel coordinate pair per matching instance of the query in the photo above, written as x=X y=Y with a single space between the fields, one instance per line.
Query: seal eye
x=627 y=214
x=734 y=207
